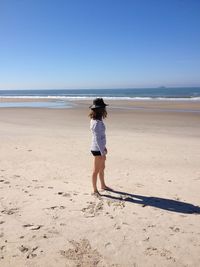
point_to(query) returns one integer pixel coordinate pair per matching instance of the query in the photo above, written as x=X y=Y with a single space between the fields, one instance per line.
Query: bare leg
x=97 y=165
x=101 y=173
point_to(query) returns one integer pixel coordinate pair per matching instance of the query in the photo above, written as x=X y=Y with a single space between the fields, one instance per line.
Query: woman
x=98 y=147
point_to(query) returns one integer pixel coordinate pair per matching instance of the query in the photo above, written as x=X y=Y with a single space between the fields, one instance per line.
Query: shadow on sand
x=157 y=202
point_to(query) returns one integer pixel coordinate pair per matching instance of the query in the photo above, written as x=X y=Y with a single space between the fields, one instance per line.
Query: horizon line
x=113 y=88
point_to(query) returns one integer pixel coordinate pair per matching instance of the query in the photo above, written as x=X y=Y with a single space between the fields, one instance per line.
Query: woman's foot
x=96 y=193
x=107 y=188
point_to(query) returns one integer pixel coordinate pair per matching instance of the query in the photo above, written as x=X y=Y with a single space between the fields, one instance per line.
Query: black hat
x=98 y=103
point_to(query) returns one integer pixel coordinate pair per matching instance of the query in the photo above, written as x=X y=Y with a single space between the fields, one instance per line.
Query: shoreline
x=85 y=99
x=148 y=105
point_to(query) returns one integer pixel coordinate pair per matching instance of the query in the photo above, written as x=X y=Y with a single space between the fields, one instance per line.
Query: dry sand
x=48 y=217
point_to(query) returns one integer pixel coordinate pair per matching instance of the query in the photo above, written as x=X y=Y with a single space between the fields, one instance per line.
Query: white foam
x=60 y=97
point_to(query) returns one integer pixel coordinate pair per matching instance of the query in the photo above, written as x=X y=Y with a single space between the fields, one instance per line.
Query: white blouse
x=98 y=136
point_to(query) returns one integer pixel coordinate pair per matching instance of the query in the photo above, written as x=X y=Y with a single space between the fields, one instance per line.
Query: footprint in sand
x=64 y=194
x=33 y=226
x=27 y=225
x=36 y=227
x=52 y=208
x=53 y=232
x=39 y=186
x=151 y=226
x=10 y=211
x=107 y=244
x=151 y=251
x=163 y=253
x=117 y=227
x=23 y=249
x=174 y=229
x=30 y=251
x=52 y=211
x=2 y=248
x=93 y=209
x=82 y=253
x=25 y=191
x=116 y=204
x=56 y=207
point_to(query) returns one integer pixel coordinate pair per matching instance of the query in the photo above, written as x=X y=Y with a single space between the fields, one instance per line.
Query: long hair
x=98 y=113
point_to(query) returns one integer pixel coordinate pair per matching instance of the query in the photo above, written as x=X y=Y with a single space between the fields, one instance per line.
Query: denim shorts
x=96 y=153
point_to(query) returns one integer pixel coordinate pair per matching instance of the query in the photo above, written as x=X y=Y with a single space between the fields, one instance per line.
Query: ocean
x=180 y=93
x=60 y=97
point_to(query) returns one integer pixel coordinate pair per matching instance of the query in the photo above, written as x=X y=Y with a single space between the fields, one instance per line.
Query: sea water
x=61 y=98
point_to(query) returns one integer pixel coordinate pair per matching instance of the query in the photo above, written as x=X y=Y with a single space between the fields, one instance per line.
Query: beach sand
x=48 y=216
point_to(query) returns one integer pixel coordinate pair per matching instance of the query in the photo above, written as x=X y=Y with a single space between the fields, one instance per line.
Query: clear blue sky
x=99 y=43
